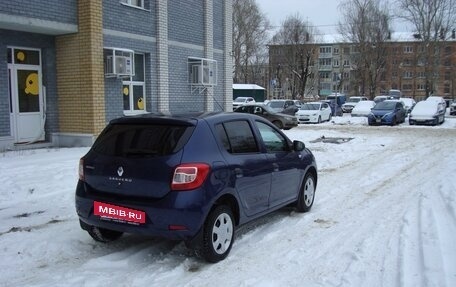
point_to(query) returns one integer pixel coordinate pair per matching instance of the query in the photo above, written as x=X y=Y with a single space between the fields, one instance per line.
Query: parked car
x=336 y=101
x=362 y=109
x=239 y=101
x=409 y=103
x=351 y=102
x=427 y=113
x=453 y=109
x=440 y=101
x=389 y=112
x=194 y=178
x=282 y=121
x=314 y=112
x=382 y=98
x=394 y=94
x=283 y=106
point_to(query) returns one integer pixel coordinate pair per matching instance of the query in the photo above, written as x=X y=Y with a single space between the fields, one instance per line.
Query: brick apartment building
x=332 y=62
x=68 y=67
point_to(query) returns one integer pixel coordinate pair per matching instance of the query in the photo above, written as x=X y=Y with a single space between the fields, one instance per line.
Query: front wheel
x=218 y=234
x=307 y=193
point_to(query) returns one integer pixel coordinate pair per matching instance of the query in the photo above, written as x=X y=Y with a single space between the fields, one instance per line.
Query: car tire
x=278 y=124
x=393 y=121
x=329 y=118
x=306 y=193
x=104 y=235
x=218 y=234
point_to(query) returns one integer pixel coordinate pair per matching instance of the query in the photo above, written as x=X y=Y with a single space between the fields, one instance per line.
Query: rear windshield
x=141 y=140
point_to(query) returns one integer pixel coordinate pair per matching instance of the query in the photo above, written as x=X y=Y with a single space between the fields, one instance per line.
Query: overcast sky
x=325 y=15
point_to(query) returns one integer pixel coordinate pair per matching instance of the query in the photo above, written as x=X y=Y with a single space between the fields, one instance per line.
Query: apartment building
x=333 y=70
x=68 y=67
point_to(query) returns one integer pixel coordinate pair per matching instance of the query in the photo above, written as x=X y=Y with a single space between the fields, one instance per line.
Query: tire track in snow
x=425 y=249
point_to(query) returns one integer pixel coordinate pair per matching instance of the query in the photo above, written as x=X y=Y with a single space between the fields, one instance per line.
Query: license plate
x=118 y=213
x=378 y=121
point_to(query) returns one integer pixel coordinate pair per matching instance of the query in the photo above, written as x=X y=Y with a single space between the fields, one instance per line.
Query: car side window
x=237 y=137
x=273 y=140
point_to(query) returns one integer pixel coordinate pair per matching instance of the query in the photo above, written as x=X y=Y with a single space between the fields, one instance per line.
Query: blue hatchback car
x=190 y=177
x=388 y=112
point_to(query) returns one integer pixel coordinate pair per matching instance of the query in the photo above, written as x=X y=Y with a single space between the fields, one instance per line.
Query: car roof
x=190 y=118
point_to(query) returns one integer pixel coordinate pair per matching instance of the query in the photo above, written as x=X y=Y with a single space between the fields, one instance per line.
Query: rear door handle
x=238 y=172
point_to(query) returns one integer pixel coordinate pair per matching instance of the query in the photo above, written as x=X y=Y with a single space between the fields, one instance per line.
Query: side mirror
x=298 y=146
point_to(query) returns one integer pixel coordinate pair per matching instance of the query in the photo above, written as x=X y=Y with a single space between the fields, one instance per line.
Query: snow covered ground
x=384 y=215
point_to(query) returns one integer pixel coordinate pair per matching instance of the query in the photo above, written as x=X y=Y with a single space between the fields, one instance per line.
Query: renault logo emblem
x=120 y=171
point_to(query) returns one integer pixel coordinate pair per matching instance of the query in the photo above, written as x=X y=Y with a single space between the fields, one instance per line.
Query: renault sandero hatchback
x=190 y=177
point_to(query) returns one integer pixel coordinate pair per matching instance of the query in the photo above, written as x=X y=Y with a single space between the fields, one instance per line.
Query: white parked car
x=239 y=101
x=314 y=112
x=351 y=103
x=362 y=109
x=439 y=100
x=427 y=112
x=409 y=103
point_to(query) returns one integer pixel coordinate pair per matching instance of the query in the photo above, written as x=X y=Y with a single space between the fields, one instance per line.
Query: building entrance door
x=26 y=95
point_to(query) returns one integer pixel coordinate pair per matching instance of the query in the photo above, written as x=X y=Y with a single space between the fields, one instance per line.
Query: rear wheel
x=307 y=193
x=218 y=234
x=104 y=235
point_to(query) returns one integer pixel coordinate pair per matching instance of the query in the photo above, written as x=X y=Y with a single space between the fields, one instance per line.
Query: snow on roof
x=247 y=87
x=395 y=37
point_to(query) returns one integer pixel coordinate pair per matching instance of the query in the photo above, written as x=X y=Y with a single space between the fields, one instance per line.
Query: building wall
x=80 y=73
x=80 y=99
x=52 y=10
x=401 y=72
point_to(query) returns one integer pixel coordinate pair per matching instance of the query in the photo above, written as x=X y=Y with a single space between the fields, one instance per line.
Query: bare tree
x=433 y=21
x=250 y=35
x=367 y=25
x=294 y=70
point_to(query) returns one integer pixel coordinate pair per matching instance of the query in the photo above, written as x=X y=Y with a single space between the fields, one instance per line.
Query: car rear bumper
x=177 y=216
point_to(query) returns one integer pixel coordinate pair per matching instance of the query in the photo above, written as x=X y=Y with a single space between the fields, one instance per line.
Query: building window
x=446 y=88
x=325 y=61
x=135 y=3
x=346 y=63
x=408 y=75
x=420 y=87
x=347 y=50
x=447 y=75
x=407 y=62
x=448 y=50
x=421 y=75
x=408 y=49
x=447 y=63
x=335 y=63
x=336 y=51
x=325 y=75
x=325 y=50
x=133 y=88
x=407 y=87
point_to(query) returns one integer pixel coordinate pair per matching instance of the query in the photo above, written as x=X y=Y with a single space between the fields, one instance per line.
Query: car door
x=401 y=111
x=325 y=111
x=249 y=168
x=284 y=161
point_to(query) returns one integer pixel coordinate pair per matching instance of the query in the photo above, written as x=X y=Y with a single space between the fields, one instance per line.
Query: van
x=336 y=102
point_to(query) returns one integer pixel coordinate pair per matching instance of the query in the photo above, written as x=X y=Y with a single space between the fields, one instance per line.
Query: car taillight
x=81 y=169
x=189 y=176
